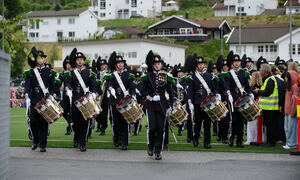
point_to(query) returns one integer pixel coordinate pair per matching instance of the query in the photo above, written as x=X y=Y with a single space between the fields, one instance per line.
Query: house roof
x=294 y=3
x=116 y=41
x=219 y=6
x=258 y=35
x=198 y=23
x=36 y=14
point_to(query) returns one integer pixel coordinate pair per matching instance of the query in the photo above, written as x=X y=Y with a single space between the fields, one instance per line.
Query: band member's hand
x=156 y=98
x=107 y=94
x=149 y=98
x=191 y=105
x=252 y=96
x=27 y=101
x=134 y=97
x=69 y=93
x=113 y=92
x=168 y=111
x=218 y=96
x=179 y=86
x=137 y=91
x=94 y=95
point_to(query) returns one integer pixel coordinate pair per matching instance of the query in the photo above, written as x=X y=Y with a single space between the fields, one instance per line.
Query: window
x=102 y=14
x=298 y=49
x=260 y=48
x=240 y=9
x=133 y=13
x=45 y=23
x=186 y=30
x=37 y=25
x=267 y=48
x=102 y=4
x=32 y=24
x=71 y=34
x=59 y=35
x=58 y=21
x=71 y=21
x=132 y=54
x=294 y=49
x=133 y=3
x=96 y=56
x=34 y=35
x=160 y=32
x=167 y=31
x=240 y=1
x=273 y=48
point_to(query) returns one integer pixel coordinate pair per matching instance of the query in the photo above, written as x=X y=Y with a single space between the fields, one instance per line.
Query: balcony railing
x=178 y=35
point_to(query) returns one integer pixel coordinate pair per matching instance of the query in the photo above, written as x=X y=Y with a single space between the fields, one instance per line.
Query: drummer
x=233 y=93
x=75 y=92
x=155 y=84
x=200 y=84
x=120 y=125
x=34 y=94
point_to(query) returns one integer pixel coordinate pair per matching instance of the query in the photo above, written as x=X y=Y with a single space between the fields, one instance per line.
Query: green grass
x=18 y=135
x=141 y=23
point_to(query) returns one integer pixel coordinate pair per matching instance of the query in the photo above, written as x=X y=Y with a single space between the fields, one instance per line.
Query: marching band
x=190 y=97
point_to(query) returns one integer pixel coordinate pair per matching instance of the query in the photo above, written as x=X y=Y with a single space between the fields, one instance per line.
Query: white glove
x=27 y=101
x=179 y=86
x=137 y=91
x=134 y=97
x=108 y=94
x=168 y=111
x=218 y=96
x=69 y=93
x=230 y=99
x=156 y=98
x=94 y=95
x=252 y=96
x=191 y=105
x=149 y=98
x=113 y=92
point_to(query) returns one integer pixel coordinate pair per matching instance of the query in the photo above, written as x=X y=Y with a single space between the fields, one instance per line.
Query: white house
x=246 y=7
x=170 y=6
x=50 y=26
x=124 y=9
x=134 y=51
x=266 y=40
x=295 y=6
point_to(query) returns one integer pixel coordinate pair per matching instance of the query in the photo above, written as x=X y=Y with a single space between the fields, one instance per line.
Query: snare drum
x=49 y=109
x=248 y=107
x=130 y=110
x=178 y=114
x=215 y=109
x=88 y=107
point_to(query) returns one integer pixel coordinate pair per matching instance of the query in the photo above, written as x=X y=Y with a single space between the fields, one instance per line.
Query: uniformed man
x=237 y=76
x=140 y=101
x=201 y=86
x=115 y=81
x=34 y=93
x=102 y=67
x=75 y=91
x=249 y=65
x=260 y=62
x=155 y=85
x=65 y=103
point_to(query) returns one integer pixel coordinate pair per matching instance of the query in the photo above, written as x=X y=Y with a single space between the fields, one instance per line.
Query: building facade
x=295 y=7
x=124 y=9
x=51 y=26
x=134 y=51
x=267 y=41
x=245 y=7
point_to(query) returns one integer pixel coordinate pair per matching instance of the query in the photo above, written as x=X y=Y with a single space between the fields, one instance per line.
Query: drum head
x=208 y=101
x=242 y=101
x=124 y=102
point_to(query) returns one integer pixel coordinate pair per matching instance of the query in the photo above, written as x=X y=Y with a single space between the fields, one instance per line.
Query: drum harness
x=85 y=90
x=40 y=81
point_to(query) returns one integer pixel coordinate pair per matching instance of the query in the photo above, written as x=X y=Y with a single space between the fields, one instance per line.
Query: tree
x=13 y=8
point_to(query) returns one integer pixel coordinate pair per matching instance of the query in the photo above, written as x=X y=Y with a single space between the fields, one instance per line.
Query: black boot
x=82 y=148
x=68 y=130
x=239 y=144
x=150 y=151
x=207 y=145
x=230 y=142
x=195 y=143
x=101 y=133
x=188 y=140
x=158 y=156
x=124 y=147
x=75 y=143
x=33 y=146
x=43 y=149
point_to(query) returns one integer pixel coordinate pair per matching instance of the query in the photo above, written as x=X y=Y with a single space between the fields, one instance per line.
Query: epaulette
x=57 y=81
x=185 y=78
x=224 y=75
x=67 y=74
x=171 y=80
x=131 y=76
x=247 y=74
x=216 y=78
x=93 y=75
x=144 y=78
x=26 y=74
x=98 y=82
x=53 y=73
x=108 y=76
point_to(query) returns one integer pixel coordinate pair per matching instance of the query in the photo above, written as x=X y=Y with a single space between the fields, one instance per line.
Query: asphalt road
x=58 y=163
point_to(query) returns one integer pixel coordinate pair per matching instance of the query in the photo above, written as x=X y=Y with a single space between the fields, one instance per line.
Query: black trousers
x=80 y=126
x=237 y=126
x=156 y=129
x=39 y=127
x=223 y=127
x=270 y=121
x=189 y=124
x=65 y=103
x=120 y=127
x=102 y=118
x=280 y=128
x=201 y=115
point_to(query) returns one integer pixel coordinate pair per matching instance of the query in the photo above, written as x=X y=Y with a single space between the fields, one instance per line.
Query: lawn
x=18 y=135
